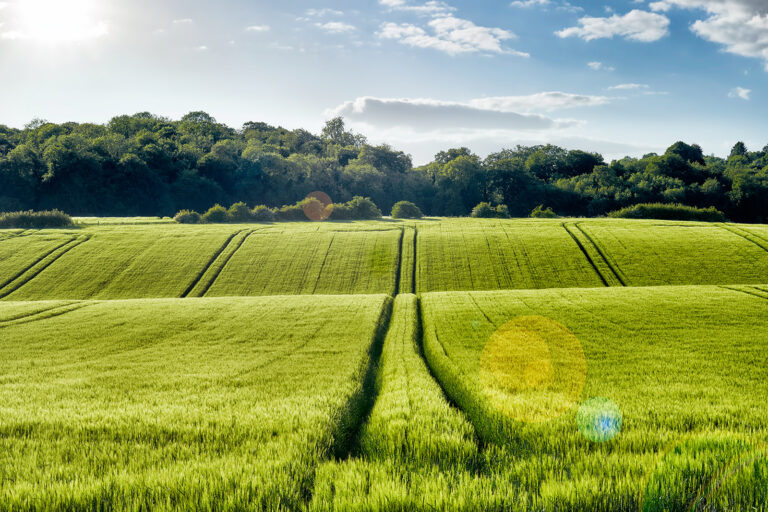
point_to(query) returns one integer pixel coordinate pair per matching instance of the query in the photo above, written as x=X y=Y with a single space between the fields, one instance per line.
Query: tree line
x=149 y=165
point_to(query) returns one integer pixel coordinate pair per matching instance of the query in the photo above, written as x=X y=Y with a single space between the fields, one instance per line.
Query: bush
x=543 y=213
x=486 y=211
x=341 y=212
x=406 y=210
x=663 y=211
x=314 y=209
x=35 y=220
x=363 y=208
x=239 y=212
x=216 y=214
x=187 y=217
x=293 y=212
x=263 y=214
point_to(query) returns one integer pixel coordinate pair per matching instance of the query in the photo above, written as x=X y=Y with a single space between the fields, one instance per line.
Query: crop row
x=217 y=404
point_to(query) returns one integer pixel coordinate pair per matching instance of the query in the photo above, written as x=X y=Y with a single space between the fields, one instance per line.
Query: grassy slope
x=178 y=404
x=415 y=451
x=655 y=253
x=325 y=260
x=479 y=254
x=677 y=361
x=115 y=261
x=128 y=262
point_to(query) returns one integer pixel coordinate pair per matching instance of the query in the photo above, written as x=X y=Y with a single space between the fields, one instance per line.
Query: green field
x=440 y=364
x=173 y=404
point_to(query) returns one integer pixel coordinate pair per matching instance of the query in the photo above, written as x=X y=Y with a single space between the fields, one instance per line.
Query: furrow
x=40 y=265
x=746 y=235
x=205 y=269
x=46 y=314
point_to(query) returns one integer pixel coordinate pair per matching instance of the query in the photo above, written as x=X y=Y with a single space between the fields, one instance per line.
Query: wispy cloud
x=740 y=93
x=336 y=27
x=599 y=66
x=429 y=114
x=258 y=28
x=739 y=25
x=320 y=13
x=540 y=102
x=431 y=8
x=183 y=21
x=451 y=35
x=628 y=87
x=636 y=25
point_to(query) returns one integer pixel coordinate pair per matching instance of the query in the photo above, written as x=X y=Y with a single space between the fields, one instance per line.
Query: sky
x=620 y=77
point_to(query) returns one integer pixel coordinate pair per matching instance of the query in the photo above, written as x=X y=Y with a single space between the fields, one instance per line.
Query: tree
x=692 y=154
x=739 y=149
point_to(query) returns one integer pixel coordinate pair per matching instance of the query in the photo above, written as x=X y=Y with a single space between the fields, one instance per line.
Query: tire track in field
x=604 y=269
x=30 y=272
x=415 y=259
x=322 y=265
x=752 y=291
x=210 y=263
x=45 y=314
x=746 y=235
x=399 y=271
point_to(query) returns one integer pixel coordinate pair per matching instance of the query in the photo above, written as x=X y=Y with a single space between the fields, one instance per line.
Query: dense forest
x=149 y=165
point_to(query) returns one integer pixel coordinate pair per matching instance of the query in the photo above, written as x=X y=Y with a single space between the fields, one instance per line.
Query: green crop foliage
x=547 y=365
x=480 y=254
x=323 y=261
x=168 y=404
x=657 y=253
x=677 y=361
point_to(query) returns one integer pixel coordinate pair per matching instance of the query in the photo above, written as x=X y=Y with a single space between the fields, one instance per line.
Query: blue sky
x=615 y=76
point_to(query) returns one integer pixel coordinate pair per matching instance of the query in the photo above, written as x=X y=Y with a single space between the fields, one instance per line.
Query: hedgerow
x=35 y=220
x=663 y=211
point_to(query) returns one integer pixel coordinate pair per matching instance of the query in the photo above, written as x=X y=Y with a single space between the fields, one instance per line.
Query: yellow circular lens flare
x=317 y=206
x=533 y=369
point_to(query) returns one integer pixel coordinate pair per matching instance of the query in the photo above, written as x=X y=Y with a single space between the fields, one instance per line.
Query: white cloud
x=741 y=26
x=3 y=5
x=740 y=92
x=431 y=8
x=530 y=3
x=184 y=21
x=202 y=48
x=599 y=66
x=319 y=13
x=258 y=28
x=628 y=87
x=539 y=102
x=636 y=25
x=450 y=35
x=434 y=115
x=336 y=27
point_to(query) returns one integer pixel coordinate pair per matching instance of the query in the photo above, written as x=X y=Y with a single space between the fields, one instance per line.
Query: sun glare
x=58 y=21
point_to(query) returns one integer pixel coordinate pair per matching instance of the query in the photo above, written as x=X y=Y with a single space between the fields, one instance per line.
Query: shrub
x=363 y=208
x=486 y=211
x=543 y=213
x=216 y=214
x=293 y=212
x=35 y=220
x=341 y=211
x=239 y=212
x=188 y=217
x=406 y=210
x=315 y=209
x=663 y=211
x=263 y=214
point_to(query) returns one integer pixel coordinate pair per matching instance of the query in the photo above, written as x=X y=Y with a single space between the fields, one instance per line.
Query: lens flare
x=533 y=369
x=599 y=419
x=317 y=206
